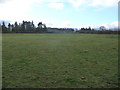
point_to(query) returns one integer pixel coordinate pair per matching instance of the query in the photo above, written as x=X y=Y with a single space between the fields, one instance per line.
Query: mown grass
x=60 y=61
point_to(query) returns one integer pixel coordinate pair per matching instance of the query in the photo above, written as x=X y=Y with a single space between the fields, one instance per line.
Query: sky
x=62 y=13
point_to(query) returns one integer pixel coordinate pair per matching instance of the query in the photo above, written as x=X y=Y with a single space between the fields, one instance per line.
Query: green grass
x=60 y=61
x=0 y=60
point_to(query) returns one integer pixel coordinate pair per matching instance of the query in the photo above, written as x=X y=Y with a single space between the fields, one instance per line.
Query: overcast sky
x=61 y=13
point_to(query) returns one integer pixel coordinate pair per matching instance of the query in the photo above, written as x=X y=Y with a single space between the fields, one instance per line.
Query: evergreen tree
x=16 y=27
x=23 y=26
x=4 y=28
x=33 y=24
x=9 y=27
x=12 y=28
x=33 y=27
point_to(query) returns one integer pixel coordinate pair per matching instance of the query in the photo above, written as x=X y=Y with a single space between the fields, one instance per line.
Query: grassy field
x=0 y=60
x=60 y=61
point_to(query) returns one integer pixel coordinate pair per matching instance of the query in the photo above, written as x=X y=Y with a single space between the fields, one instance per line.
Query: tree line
x=29 y=27
x=24 y=27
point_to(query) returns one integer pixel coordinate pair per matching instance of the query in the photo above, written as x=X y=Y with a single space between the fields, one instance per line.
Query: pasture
x=59 y=61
